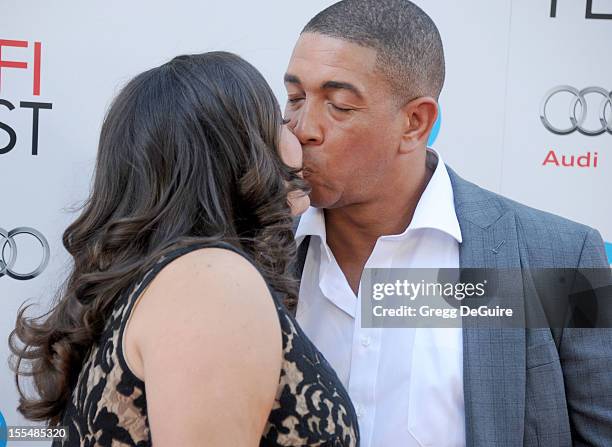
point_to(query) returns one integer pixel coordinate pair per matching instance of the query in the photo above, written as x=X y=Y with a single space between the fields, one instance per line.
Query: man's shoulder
x=531 y=218
x=552 y=238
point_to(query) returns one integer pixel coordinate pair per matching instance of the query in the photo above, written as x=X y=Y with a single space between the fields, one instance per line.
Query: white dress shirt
x=406 y=384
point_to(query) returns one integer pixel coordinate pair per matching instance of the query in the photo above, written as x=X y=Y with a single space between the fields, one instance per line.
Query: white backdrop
x=502 y=58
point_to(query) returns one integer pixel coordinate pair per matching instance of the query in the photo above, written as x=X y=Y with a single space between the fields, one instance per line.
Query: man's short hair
x=408 y=45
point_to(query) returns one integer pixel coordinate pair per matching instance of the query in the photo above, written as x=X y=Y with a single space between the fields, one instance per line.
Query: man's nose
x=307 y=126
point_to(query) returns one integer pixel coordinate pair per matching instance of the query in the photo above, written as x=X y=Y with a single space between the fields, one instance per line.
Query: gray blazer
x=531 y=387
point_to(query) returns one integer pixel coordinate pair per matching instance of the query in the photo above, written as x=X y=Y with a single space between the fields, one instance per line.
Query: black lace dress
x=109 y=405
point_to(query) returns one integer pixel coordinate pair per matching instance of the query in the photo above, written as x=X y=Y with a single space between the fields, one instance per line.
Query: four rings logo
x=7 y=238
x=577 y=115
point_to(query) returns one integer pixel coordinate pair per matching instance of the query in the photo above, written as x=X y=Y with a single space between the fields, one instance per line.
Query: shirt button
x=365 y=341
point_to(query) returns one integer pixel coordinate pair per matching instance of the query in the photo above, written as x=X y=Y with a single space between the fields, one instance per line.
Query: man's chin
x=319 y=200
x=315 y=201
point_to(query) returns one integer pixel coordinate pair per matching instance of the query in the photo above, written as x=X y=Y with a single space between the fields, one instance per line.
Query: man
x=362 y=84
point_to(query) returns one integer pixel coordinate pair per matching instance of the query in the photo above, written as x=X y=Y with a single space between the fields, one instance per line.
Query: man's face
x=346 y=118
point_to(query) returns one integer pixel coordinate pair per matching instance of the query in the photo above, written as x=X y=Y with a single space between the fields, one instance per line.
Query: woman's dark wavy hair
x=187 y=154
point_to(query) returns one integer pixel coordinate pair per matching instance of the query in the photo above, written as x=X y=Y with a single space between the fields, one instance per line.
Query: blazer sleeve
x=586 y=359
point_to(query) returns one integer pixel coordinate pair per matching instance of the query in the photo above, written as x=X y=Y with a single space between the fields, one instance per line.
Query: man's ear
x=420 y=115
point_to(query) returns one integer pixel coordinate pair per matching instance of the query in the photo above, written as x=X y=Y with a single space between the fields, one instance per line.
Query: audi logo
x=577 y=116
x=7 y=238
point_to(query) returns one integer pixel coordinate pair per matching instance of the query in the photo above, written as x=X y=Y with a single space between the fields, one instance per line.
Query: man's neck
x=352 y=231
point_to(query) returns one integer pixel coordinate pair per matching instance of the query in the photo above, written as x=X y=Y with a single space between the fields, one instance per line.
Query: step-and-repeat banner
x=526 y=108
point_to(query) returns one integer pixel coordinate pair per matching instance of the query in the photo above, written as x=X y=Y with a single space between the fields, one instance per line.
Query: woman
x=173 y=328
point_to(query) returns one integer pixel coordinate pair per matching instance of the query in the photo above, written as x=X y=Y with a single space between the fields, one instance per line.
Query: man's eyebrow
x=292 y=79
x=328 y=85
x=338 y=85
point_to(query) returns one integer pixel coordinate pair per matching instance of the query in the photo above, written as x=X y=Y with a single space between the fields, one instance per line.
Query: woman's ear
x=420 y=115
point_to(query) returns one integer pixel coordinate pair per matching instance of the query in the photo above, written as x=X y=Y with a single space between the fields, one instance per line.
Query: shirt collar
x=312 y=223
x=435 y=209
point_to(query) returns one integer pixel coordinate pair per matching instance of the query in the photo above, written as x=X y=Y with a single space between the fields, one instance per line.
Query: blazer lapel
x=493 y=359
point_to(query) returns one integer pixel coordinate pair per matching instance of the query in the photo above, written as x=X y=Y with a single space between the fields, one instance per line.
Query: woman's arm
x=208 y=339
